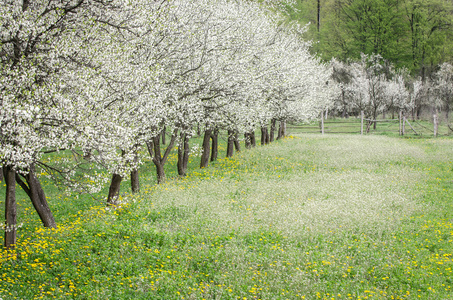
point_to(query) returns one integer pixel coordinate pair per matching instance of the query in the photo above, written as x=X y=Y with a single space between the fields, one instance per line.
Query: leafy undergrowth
x=308 y=217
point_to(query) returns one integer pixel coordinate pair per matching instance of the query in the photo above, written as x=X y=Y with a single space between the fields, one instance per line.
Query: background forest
x=415 y=34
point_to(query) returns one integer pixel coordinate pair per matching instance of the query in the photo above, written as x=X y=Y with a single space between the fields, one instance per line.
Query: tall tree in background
x=374 y=26
x=430 y=36
x=415 y=34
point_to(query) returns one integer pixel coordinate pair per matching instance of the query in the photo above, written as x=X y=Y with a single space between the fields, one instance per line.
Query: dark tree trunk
x=10 y=207
x=37 y=196
x=272 y=131
x=215 y=144
x=135 y=179
x=237 y=144
x=253 y=138
x=186 y=153
x=150 y=147
x=183 y=155
x=160 y=172
x=205 y=154
x=281 y=130
x=247 y=141
x=159 y=160
x=230 y=144
x=264 y=135
x=180 y=164
x=375 y=120
x=318 y=20
x=164 y=135
x=114 y=190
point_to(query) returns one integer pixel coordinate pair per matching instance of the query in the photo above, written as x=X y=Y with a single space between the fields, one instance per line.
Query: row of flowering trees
x=374 y=86
x=95 y=81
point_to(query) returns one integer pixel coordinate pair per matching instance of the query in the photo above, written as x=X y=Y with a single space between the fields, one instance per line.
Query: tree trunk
x=361 y=122
x=272 y=132
x=114 y=189
x=247 y=141
x=237 y=144
x=183 y=155
x=37 y=196
x=318 y=23
x=205 y=154
x=343 y=114
x=447 y=113
x=164 y=135
x=404 y=125
x=150 y=146
x=198 y=130
x=252 y=138
x=282 y=130
x=264 y=135
x=215 y=144
x=160 y=172
x=375 y=120
x=1 y=174
x=135 y=179
x=10 y=208
x=230 y=143
x=158 y=159
x=179 y=164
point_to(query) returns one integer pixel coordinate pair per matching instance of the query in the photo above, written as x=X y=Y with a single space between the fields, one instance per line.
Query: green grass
x=308 y=217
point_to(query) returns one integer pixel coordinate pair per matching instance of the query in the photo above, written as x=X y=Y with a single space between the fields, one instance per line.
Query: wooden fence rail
x=363 y=125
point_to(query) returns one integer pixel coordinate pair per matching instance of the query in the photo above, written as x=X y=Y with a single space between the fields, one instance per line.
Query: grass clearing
x=308 y=217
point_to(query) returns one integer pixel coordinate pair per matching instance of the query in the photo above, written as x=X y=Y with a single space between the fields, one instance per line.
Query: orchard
x=92 y=90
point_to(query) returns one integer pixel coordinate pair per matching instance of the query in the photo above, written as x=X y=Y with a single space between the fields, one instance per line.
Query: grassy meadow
x=307 y=217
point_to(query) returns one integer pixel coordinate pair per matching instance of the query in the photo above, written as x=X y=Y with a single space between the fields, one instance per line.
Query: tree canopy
x=415 y=34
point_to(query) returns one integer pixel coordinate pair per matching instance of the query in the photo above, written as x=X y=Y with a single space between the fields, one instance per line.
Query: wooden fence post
x=401 y=118
x=361 y=122
x=436 y=122
x=322 y=123
x=404 y=125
